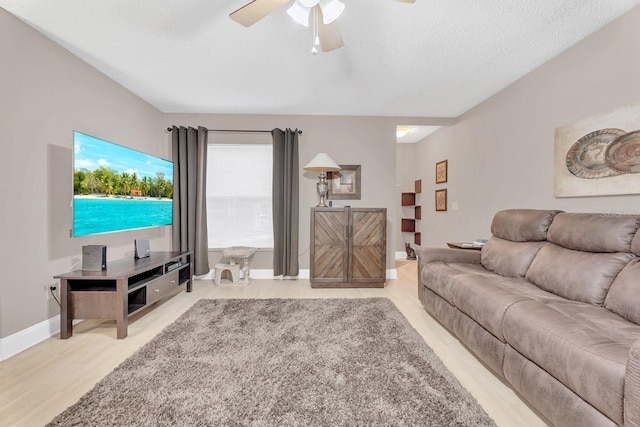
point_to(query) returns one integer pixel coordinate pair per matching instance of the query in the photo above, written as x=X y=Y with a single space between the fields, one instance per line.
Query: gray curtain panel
x=285 y=202
x=189 y=147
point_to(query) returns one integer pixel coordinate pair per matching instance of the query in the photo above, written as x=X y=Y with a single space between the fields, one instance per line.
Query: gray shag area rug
x=281 y=362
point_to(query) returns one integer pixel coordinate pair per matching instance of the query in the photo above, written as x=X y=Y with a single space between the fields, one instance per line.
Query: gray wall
x=501 y=152
x=406 y=175
x=46 y=94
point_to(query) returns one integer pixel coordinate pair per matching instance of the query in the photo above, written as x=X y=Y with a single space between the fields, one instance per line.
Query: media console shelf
x=124 y=288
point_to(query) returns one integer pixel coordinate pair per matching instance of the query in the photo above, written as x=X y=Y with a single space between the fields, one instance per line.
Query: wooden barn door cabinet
x=348 y=247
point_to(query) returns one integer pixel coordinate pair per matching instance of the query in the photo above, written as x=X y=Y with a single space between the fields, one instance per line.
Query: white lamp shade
x=322 y=163
x=299 y=13
x=331 y=10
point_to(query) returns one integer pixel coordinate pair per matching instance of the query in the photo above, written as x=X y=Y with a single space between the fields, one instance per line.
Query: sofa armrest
x=450 y=255
x=632 y=387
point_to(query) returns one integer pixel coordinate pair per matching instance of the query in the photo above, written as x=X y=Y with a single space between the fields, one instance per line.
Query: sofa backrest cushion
x=506 y=258
x=522 y=225
x=576 y=275
x=623 y=296
x=594 y=232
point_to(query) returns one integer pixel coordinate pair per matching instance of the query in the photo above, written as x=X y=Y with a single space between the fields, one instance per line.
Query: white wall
x=46 y=94
x=501 y=152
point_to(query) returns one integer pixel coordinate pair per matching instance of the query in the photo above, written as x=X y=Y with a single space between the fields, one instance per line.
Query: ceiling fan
x=324 y=12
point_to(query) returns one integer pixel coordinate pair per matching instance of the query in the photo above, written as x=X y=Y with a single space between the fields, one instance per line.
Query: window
x=239 y=189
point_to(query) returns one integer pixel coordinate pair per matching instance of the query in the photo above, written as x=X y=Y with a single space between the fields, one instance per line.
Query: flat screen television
x=116 y=188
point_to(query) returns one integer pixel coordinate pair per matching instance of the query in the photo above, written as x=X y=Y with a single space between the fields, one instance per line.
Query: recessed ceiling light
x=400 y=132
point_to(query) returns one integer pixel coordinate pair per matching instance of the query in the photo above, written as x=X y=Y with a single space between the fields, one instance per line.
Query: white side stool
x=241 y=252
x=230 y=271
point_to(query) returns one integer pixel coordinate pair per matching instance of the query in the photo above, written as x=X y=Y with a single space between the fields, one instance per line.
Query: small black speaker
x=94 y=257
x=142 y=248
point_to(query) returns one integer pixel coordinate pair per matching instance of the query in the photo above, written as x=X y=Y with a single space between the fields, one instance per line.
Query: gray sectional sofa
x=552 y=305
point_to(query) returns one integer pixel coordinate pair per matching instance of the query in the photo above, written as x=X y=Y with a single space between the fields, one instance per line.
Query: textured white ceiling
x=434 y=58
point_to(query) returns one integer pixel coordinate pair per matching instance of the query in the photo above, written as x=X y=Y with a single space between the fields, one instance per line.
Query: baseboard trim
x=22 y=340
x=267 y=273
x=256 y=273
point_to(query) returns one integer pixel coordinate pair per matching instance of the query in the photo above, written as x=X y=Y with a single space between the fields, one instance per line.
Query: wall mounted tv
x=116 y=188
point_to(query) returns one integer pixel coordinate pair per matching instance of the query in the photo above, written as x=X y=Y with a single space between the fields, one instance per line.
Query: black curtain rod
x=237 y=130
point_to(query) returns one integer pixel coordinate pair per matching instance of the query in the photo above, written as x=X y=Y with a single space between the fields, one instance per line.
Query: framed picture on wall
x=441 y=172
x=345 y=183
x=441 y=200
x=599 y=155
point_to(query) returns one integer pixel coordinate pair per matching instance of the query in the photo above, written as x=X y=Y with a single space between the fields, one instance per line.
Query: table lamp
x=322 y=163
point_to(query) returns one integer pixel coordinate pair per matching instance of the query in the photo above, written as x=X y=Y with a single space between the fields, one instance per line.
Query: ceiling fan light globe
x=308 y=3
x=331 y=10
x=299 y=13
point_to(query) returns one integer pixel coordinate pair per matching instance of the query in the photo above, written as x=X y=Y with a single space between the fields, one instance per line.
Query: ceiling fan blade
x=254 y=11
x=329 y=34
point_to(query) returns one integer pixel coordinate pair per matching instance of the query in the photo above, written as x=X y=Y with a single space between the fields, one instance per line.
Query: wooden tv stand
x=124 y=288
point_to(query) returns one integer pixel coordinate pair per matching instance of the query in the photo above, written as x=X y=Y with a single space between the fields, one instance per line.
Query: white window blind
x=239 y=189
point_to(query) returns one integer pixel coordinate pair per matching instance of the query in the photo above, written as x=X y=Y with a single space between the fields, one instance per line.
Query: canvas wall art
x=599 y=155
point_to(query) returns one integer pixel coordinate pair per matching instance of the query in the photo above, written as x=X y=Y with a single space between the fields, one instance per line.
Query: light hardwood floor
x=42 y=381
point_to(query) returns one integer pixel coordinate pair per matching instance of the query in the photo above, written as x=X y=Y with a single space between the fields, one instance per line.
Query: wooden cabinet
x=124 y=288
x=348 y=247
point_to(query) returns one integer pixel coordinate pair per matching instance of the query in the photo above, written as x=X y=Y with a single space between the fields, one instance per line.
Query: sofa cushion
x=576 y=275
x=486 y=298
x=624 y=295
x=506 y=258
x=582 y=346
x=522 y=225
x=594 y=232
x=442 y=277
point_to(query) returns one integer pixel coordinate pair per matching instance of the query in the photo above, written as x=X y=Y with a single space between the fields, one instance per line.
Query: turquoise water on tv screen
x=104 y=215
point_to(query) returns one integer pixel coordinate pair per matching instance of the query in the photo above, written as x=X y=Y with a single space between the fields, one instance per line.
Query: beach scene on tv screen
x=116 y=188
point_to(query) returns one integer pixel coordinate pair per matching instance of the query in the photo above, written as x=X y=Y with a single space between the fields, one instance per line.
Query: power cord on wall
x=52 y=290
